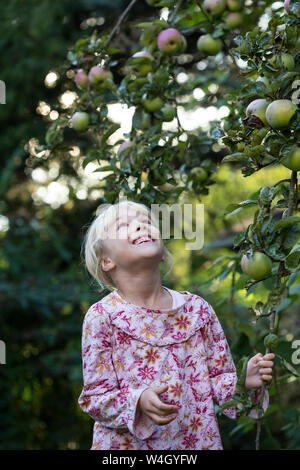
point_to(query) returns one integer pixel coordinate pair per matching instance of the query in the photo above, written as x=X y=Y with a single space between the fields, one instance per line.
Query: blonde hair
x=93 y=243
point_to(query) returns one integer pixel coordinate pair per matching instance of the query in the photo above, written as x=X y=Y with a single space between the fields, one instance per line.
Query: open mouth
x=141 y=241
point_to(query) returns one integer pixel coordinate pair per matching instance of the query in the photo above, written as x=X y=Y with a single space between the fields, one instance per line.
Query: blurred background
x=45 y=290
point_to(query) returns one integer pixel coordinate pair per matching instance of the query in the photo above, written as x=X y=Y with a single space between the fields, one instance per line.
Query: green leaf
x=109 y=132
x=235 y=157
x=293 y=260
x=293 y=219
x=287 y=366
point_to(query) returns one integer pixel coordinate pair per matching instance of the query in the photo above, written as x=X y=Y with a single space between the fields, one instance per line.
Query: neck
x=145 y=290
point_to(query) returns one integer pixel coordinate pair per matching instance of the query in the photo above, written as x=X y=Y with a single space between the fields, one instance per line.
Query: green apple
x=292 y=159
x=198 y=174
x=271 y=341
x=215 y=7
x=258 y=268
x=258 y=108
x=144 y=66
x=154 y=104
x=234 y=5
x=208 y=45
x=80 y=121
x=168 y=112
x=279 y=113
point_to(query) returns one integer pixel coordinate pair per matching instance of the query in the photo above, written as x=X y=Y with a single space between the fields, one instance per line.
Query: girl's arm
x=103 y=397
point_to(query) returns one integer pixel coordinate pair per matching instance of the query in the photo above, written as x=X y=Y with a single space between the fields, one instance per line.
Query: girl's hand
x=259 y=368
x=153 y=407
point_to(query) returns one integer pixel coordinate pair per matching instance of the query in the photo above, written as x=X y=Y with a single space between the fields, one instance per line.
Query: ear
x=106 y=263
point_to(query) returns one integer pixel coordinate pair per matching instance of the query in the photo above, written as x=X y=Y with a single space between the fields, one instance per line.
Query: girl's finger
x=267 y=377
x=265 y=371
x=265 y=364
x=160 y=420
x=163 y=409
x=268 y=356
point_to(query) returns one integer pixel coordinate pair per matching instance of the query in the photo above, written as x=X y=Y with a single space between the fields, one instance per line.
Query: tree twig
x=116 y=27
x=178 y=4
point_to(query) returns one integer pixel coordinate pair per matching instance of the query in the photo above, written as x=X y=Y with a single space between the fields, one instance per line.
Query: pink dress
x=127 y=348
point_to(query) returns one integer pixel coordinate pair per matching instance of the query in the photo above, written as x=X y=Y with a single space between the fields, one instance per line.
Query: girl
x=154 y=359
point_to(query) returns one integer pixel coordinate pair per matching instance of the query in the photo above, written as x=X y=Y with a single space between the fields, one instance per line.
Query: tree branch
x=115 y=29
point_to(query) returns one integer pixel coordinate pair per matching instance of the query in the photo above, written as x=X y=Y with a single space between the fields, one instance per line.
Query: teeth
x=141 y=240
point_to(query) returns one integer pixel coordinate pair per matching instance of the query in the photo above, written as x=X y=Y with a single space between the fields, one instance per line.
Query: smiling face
x=132 y=242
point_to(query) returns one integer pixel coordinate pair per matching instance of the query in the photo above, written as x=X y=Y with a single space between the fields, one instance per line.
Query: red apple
x=279 y=113
x=98 y=76
x=234 y=19
x=81 y=79
x=258 y=108
x=169 y=40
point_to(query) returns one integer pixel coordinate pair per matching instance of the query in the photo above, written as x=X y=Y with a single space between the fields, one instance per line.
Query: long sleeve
x=222 y=371
x=221 y=368
x=103 y=397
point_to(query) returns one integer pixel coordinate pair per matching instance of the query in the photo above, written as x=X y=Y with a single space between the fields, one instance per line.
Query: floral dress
x=127 y=348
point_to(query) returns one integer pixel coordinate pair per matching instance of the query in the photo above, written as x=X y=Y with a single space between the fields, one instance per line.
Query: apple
x=215 y=7
x=168 y=112
x=81 y=79
x=98 y=76
x=287 y=61
x=169 y=40
x=292 y=159
x=287 y=5
x=234 y=19
x=258 y=268
x=183 y=44
x=279 y=113
x=144 y=67
x=198 y=174
x=154 y=104
x=80 y=121
x=208 y=45
x=258 y=108
x=234 y=5
x=271 y=341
